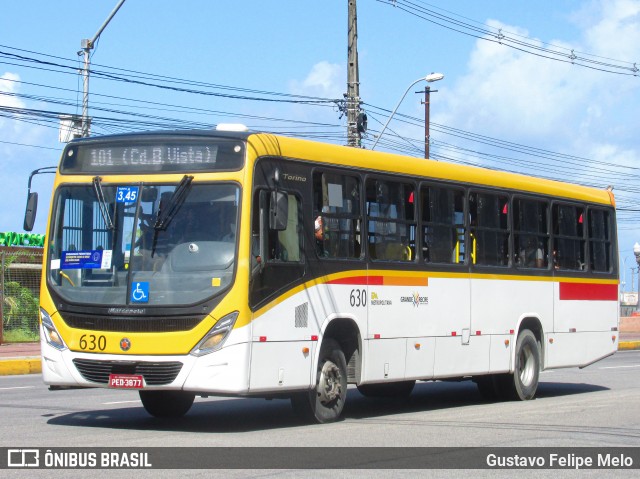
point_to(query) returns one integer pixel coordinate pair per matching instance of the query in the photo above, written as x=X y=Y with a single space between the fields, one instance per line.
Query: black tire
x=167 y=403
x=487 y=387
x=325 y=402
x=401 y=389
x=523 y=383
x=527 y=366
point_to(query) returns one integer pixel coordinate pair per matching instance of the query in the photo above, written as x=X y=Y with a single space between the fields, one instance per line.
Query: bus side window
x=285 y=245
x=391 y=220
x=443 y=231
x=569 y=241
x=531 y=233
x=336 y=215
x=489 y=228
x=599 y=240
x=270 y=245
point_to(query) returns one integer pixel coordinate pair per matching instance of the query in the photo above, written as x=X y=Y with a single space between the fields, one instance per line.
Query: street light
x=429 y=79
x=87 y=45
x=636 y=252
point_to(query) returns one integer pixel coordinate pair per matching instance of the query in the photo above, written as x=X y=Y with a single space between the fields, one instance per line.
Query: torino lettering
x=21 y=239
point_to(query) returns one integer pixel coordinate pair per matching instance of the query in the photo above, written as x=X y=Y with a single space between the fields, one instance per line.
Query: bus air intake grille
x=155 y=373
x=129 y=324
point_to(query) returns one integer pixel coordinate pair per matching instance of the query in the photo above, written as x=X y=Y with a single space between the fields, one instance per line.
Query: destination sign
x=163 y=156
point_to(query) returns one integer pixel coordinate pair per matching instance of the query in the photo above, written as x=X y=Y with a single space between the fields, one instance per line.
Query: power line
x=510 y=40
x=30 y=146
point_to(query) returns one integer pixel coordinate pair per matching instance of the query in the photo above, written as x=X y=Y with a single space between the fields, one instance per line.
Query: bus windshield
x=135 y=244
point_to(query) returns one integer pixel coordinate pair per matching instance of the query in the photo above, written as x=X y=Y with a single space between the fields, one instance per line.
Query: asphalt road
x=596 y=406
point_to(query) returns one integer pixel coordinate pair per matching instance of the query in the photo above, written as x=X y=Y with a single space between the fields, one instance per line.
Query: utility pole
x=427 y=118
x=87 y=45
x=356 y=121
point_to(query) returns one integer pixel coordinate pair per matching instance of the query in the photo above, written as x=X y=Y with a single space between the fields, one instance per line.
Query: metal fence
x=627 y=310
x=19 y=294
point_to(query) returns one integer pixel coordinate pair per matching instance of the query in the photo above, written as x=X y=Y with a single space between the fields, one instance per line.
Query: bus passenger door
x=280 y=330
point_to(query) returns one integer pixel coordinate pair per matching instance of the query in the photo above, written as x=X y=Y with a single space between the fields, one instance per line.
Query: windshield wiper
x=167 y=212
x=102 y=202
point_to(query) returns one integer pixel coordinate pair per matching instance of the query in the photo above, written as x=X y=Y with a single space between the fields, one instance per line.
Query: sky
x=516 y=93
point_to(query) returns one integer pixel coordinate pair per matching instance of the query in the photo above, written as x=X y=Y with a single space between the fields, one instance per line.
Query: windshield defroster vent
x=127 y=324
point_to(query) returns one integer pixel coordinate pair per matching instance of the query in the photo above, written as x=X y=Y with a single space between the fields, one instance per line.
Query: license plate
x=126 y=381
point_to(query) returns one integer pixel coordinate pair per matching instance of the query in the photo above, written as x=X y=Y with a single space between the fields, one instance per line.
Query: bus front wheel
x=325 y=403
x=167 y=403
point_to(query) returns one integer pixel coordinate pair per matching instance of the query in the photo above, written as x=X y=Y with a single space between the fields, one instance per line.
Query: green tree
x=20 y=305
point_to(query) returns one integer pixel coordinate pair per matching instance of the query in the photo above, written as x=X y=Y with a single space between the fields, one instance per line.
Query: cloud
x=8 y=86
x=18 y=160
x=517 y=96
x=557 y=106
x=325 y=80
x=616 y=33
x=507 y=90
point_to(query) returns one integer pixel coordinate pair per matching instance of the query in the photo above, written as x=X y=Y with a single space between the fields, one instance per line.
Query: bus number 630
x=90 y=342
x=358 y=297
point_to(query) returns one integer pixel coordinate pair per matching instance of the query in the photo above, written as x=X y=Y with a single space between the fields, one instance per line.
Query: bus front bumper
x=221 y=372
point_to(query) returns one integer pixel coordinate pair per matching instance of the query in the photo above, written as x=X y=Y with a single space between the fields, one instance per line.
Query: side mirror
x=30 y=213
x=278 y=211
x=149 y=194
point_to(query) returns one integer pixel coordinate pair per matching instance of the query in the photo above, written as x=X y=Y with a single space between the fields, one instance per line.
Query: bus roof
x=266 y=144
x=263 y=144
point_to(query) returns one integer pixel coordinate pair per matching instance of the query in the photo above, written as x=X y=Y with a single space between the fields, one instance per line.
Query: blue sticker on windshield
x=126 y=194
x=92 y=259
x=140 y=292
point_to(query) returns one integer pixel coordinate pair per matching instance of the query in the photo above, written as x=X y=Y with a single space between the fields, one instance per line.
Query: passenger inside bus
x=531 y=254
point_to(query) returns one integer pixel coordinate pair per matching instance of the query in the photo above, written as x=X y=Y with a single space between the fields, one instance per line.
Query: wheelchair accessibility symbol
x=140 y=292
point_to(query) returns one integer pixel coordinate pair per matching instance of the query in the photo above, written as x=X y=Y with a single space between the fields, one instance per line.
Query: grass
x=20 y=336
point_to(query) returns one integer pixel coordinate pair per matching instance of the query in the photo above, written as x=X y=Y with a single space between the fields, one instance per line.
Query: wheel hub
x=527 y=366
x=330 y=383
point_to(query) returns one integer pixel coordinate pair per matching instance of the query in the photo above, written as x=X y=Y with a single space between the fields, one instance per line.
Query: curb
x=33 y=365
x=628 y=345
x=20 y=366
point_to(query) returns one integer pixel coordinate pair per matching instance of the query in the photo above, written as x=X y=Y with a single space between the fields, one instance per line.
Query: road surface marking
x=620 y=367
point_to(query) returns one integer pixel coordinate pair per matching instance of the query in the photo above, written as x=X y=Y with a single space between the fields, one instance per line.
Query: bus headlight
x=216 y=337
x=51 y=334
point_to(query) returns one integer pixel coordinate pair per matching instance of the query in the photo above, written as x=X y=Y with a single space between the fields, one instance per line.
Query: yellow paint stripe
x=20 y=366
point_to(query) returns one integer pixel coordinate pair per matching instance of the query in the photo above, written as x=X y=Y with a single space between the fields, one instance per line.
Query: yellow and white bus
x=233 y=263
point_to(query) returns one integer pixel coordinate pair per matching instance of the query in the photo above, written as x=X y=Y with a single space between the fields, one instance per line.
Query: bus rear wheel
x=523 y=383
x=527 y=366
x=167 y=403
x=325 y=403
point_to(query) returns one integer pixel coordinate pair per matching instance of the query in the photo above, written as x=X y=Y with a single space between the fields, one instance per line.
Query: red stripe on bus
x=359 y=280
x=588 y=292
x=382 y=281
